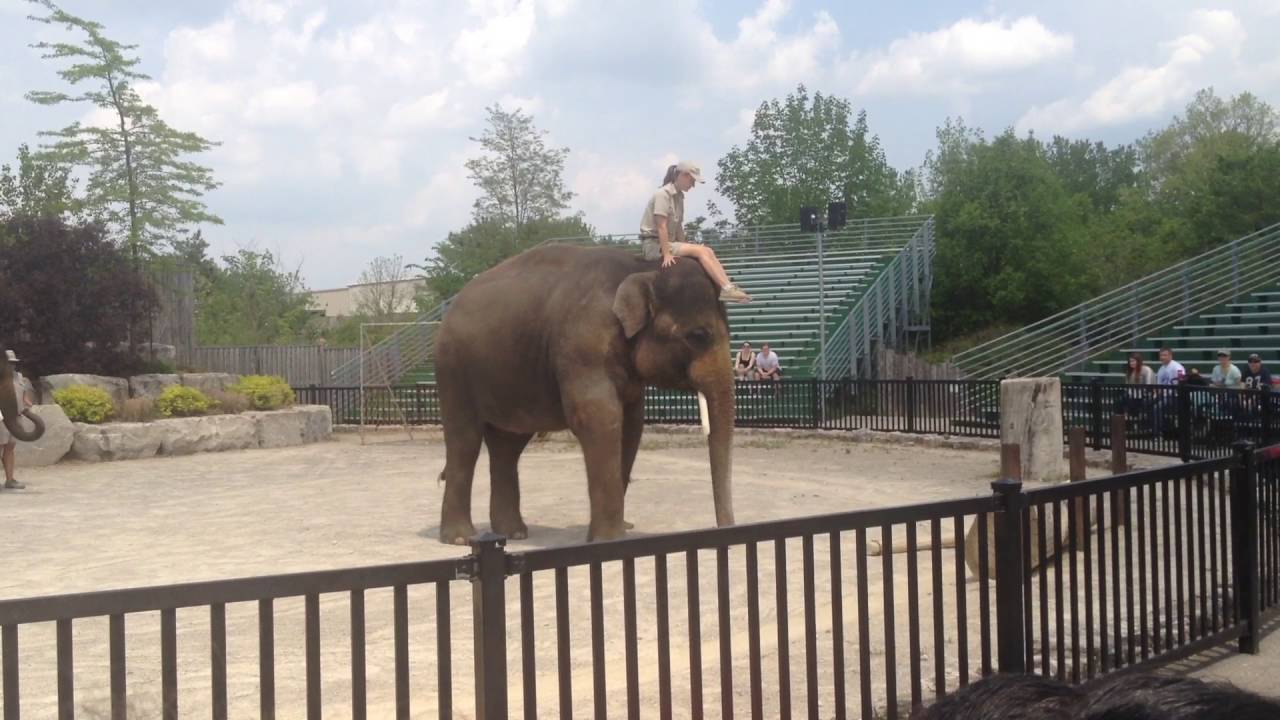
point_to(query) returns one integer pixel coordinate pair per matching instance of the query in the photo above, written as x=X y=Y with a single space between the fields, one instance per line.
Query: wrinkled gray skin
x=12 y=407
x=568 y=337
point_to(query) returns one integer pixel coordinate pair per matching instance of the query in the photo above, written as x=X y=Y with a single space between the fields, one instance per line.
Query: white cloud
x=955 y=58
x=761 y=55
x=425 y=112
x=445 y=200
x=288 y=104
x=1145 y=90
x=487 y=54
x=264 y=12
x=531 y=105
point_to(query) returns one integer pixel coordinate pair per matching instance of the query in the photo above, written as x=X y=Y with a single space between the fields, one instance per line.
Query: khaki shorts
x=653 y=249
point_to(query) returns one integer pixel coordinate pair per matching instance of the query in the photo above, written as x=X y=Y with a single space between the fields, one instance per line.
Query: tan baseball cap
x=694 y=170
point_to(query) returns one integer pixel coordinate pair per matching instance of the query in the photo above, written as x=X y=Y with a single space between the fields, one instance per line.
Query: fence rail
x=1184 y=422
x=1066 y=340
x=1073 y=581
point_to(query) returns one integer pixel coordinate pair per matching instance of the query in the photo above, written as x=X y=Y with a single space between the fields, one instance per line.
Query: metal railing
x=412 y=346
x=1185 y=422
x=895 y=303
x=1074 y=581
x=1106 y=323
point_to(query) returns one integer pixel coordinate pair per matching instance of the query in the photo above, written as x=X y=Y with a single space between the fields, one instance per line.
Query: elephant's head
x=11 y=405
x=679 y=338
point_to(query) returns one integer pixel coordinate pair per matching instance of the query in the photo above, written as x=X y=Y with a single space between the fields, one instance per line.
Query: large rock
x=116 y=441
x=59 y=433
x=317 y=423
x=279 y=428
x=204 y=382
x=1031 y=417
x=151 y=385
x=117 y=388
x=183 y=436
x=158 y=351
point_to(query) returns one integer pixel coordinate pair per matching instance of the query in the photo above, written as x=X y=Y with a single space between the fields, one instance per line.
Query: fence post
x=1010 y=642
x=1119 y=428
x=1184 y=422
x=1095 y=412
x=911 y=404
x=1268 y=413
x=1244 y=544
x=815 y=398
x=488 y=601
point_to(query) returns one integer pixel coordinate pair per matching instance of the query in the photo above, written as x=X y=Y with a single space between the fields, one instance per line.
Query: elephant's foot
x=456 y=532
x=597 y=533
x=513 y=528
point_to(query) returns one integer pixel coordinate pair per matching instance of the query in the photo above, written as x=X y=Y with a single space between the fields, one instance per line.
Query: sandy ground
x=340 y=504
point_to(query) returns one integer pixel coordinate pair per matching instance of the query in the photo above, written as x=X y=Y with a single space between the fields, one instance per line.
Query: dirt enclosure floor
x=86 y=527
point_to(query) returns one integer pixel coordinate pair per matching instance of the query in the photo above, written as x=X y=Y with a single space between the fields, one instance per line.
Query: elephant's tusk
x=702 y=412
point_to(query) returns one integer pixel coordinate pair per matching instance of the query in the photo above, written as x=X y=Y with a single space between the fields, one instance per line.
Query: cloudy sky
x=344 y=126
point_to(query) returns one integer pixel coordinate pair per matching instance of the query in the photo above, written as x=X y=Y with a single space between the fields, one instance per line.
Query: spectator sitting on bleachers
x=1225 y=375
x=745 y=366
x=1138 y=374
x=767 y=366
x=1170 y=374
x=1195 y=379
x=1257 y=377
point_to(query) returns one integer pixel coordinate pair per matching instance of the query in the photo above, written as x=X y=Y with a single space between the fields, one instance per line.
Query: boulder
x=183 y=436
x=117 y=388
x=59 y=432
x=278 y=428
x=204 y=382
x=116 y=441
x=151 y=385
x=317 y=425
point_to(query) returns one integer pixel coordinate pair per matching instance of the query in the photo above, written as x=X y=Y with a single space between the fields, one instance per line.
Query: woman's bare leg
x=707 y=258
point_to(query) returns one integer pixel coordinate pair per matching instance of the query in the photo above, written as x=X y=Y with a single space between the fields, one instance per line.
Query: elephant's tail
x=440 y=477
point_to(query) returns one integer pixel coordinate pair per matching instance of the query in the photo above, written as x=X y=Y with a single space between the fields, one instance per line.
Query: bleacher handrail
x=1104 y=324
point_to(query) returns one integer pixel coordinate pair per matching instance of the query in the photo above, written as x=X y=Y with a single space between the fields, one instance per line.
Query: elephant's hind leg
x=504 y=481
x=462 y=447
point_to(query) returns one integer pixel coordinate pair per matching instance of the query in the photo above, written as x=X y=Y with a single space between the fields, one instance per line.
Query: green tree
x=252 y=300
x=485 y=243
x=1009 y=239
x=384 y=290
x=810 y=150
x=520 y=178
x=1098 y=175
x=38 y=188
x=138 y=177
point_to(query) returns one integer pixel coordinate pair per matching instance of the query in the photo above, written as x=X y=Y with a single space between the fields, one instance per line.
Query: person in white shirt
x=1170 y=375
x=767 y=366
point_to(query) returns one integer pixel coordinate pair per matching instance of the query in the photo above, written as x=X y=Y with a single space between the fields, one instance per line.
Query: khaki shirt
x=667 y=203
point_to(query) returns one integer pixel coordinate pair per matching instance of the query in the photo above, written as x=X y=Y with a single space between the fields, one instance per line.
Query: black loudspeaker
x=837 y=215
x=808 y=219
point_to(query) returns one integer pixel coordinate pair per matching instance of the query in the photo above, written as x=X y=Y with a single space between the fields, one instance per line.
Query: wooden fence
x=893 y=365
x=301 y=365
x=174 y=320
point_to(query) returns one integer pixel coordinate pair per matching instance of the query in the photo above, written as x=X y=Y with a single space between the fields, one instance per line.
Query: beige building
x=343 y=302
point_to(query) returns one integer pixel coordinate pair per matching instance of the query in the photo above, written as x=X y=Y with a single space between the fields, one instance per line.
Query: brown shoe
x=14 y=485
x=733 y=293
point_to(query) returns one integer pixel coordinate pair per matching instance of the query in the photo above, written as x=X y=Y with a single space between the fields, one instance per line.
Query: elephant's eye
x=698 y=336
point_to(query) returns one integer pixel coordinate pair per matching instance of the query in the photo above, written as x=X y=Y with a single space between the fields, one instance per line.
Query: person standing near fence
x=1170 y=375
x=8 y=452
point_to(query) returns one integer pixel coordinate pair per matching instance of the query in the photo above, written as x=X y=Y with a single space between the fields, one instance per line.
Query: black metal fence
x=1185 y=421
x=1072 y=581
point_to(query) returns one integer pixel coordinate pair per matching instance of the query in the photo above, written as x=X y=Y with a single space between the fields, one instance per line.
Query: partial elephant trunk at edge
x=720 y=404
x=11 y=408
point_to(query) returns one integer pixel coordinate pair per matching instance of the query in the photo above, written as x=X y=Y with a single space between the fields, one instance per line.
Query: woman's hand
x=668 y=260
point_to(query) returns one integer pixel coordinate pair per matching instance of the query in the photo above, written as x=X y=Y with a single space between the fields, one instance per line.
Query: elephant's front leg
x=595 y=416
x=632 y=431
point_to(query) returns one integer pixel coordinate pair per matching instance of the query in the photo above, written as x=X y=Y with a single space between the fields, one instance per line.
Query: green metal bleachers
x=1250 y=324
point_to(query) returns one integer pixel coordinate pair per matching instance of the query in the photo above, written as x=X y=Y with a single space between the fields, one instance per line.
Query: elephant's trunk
x=10 y=407
x=720 y=407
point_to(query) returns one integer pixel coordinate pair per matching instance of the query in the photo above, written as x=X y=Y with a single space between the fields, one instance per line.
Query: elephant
x=11 y=406
x=568 y=337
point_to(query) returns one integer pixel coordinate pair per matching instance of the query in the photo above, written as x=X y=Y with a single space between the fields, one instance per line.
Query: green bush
x=182 y=401
x=265 y=392
x=83 y=403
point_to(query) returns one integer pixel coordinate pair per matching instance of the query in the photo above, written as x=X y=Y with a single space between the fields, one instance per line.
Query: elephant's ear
x=633 y=304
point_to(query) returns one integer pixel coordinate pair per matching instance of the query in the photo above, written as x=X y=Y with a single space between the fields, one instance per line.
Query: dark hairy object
x=1154 y=697
x=1006 y=697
